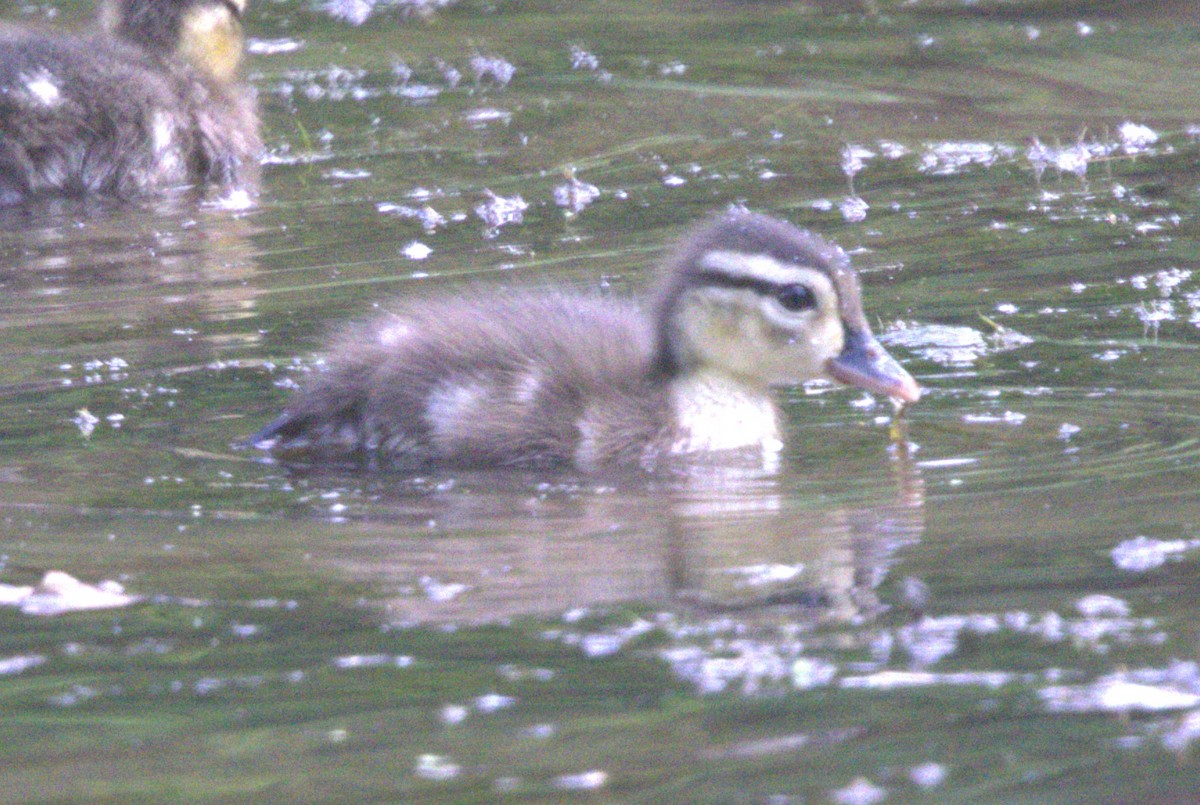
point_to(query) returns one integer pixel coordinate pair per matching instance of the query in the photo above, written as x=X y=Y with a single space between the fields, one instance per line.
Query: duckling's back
x=75 y=120
x=510 y=380
x=83 y=115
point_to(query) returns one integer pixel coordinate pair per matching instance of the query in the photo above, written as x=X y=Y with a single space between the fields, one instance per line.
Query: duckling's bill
x=863 y=362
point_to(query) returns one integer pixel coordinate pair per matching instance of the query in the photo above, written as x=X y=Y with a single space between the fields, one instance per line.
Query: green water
x=862 y=624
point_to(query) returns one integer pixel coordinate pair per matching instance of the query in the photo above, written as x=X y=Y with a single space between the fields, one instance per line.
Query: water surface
x=1001 y=609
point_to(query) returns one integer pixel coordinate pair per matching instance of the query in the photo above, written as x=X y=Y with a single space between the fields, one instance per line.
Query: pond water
x=999 y=607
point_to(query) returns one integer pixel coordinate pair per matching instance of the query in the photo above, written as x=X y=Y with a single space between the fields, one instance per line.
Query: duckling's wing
x=481 y=378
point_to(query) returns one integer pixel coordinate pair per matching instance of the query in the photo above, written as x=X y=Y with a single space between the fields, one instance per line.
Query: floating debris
x=1117 y=694
x=945 y=344
x=575 y=195
x=944 y=159
x=1142 y=553
x=758 y=575
x=76 y=695
x=60 y=592
x=860 y=792
x=892 y=680
x=450 y=74
x=500 y=71
x=86 y=421
x=925 y=41
x=484 y=115
x=333 y=83
x=436 y=768
x=1152 y=314
x=854 y=159
x=1167 y=279
x=1066 y=430
x=582 y=59
x=1073 y=159
x=20 y=663
x=271 y=47
x=416 y=251
x=347 y=174
x=356 y=12
x=1006 y=418
x=927 y=775
x=584 y=781
x=492 y=702
x=1136 y=138
x=453 y=714
x=429 y=218
x=854 y=209
x=355 y=661
x=497 y=211
x=353 y=12
x=1099 y=605
x=755 y=664
x=810 y=673
x=439 y=591
x=1188 y=730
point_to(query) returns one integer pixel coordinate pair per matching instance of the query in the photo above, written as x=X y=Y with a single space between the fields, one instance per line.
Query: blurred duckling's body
x=149 y=105
x=542 y=379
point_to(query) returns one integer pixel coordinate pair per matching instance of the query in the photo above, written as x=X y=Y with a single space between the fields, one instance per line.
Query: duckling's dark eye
x=795 y=298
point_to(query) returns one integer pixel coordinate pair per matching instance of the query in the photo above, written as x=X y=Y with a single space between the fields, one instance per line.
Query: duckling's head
x=205 y=33
x=767 y=303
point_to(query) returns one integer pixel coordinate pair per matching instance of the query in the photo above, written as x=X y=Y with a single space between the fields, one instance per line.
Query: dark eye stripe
x=777 y=290
x=233 y=8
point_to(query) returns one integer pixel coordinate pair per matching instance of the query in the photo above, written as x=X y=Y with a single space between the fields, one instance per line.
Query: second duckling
x=747 y=302
x=151 y=104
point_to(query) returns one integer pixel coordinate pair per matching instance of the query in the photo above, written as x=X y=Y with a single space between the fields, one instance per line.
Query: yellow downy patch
x=211 y=40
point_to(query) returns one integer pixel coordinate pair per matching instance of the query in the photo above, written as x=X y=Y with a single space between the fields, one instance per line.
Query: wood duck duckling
x=150 y=104
x=479 y=379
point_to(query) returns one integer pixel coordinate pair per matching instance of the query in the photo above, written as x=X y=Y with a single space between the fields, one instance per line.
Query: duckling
x=531 y=379
x=151 y=103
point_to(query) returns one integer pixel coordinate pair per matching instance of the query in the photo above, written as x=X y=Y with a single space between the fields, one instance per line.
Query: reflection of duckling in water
x=150 y=104
x=746 y=303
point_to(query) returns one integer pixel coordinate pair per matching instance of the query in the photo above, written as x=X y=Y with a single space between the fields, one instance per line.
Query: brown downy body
x=541 y=379
x=150 y=105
